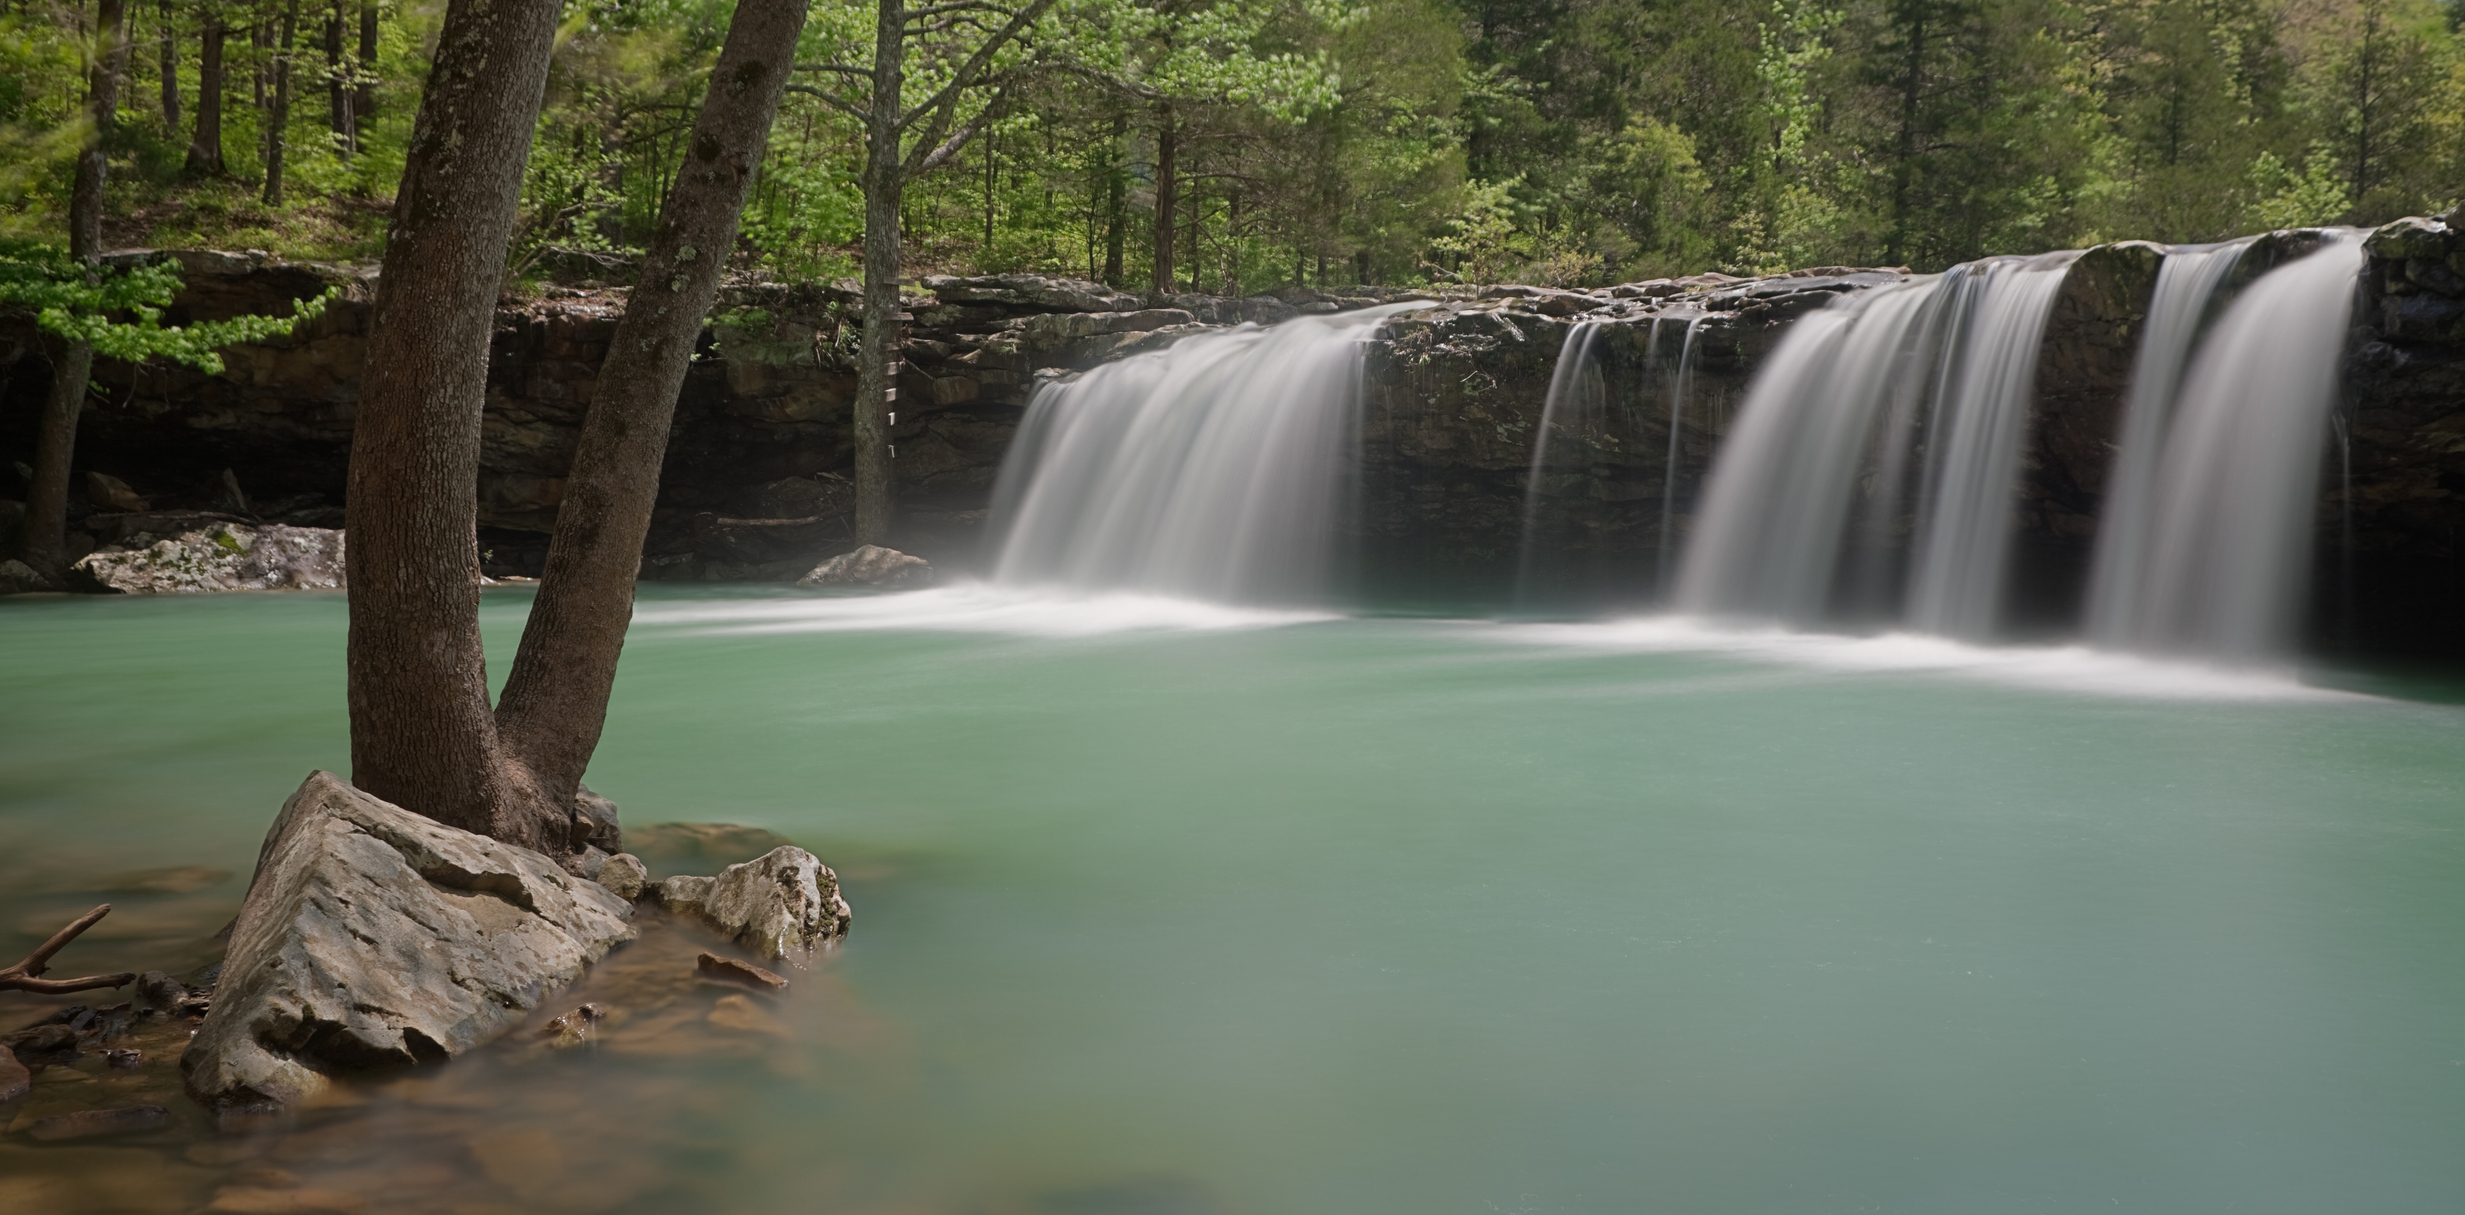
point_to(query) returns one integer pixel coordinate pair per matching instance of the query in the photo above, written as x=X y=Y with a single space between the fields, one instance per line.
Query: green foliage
x=119 y=311
x=1324 y=142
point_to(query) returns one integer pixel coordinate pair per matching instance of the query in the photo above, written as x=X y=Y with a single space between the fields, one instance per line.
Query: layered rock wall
x=1454 y=394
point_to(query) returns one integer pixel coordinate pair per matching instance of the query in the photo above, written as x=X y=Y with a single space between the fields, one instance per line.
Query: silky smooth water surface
x=1171 y=909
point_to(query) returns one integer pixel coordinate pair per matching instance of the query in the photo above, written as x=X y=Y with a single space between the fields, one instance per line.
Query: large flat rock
x=374 y=937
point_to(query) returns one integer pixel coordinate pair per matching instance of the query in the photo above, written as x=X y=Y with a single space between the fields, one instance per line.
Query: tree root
x=27 y=975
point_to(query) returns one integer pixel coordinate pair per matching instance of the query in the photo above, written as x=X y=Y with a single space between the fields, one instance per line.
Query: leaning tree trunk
x=278 y=120
x=1166 y=197
x=422 y=735
x=877 y=359
x=205 y=144
x=556 y=698
x=55 y=446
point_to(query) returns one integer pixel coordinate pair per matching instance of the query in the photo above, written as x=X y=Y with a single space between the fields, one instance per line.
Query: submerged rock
x=15 y=1080
x=744 y=974
x=871 y=565
x=372 y=936
x=224 y=557
x=85 y=1124
x=784 y=901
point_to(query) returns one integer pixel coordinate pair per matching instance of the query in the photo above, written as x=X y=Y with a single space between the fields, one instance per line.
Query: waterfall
x=2213 y=560
x=1214 y=469
x=1578 y=402
x=2188 y=284
x=1681 y=386
x=1839 y=404
x=1979 y=428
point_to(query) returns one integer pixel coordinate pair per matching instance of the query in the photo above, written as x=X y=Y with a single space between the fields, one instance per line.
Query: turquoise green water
x=1421 y=916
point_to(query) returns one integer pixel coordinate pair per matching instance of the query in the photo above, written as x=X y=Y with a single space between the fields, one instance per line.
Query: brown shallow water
x=532 y=1122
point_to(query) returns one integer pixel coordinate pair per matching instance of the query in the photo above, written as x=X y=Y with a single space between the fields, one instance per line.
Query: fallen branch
x=27 y=975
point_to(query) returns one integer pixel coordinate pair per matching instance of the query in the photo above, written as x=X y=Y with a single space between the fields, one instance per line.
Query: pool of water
x=1164 y=909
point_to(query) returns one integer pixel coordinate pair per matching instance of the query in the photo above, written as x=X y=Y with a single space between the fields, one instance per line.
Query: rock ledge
x=372 y=937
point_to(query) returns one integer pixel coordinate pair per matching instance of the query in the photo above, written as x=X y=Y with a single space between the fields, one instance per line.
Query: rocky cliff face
x=754 y=484
x=1454 y=392
x=2392 y=524
x=1455 y=396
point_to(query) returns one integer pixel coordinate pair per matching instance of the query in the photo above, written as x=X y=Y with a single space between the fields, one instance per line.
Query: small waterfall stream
x=1827 y=435
x=1213 y=469
x=1597 y=406
x=2212 y=560
x=2188 y=284
x=1577 y=404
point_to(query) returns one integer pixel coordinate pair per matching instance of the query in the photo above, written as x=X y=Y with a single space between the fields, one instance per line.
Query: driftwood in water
x=28 y=975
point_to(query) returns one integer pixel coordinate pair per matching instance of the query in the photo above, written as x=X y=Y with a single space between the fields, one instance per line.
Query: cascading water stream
x=1578 y=400
x=1979 y=427
x=2187 y=287
x=1843 y=396
x=2222 y=544
x=1681 y=387
x=1213 y=469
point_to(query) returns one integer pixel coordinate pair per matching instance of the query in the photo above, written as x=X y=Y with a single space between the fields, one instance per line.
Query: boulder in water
x=224 y=557
x=871 y=565
x=624 y=875
x=783 y=902
x=372 y=936
x=18 y=578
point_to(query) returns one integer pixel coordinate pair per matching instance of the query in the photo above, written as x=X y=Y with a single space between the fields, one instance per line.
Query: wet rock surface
x=784 y=903
x=222 y=557
x=2404 y=456
x=1453 y=401
x=742 y=974
x=871 y=566
x=373 y=937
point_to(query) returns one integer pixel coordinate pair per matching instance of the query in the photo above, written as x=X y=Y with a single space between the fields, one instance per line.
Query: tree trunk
x=205 y=145
x=1912 y=81
x=1116 y=184
x=278 y=121
x=556 y=698
x=170 y=67
x=1166 y=198
x=422 y=735
x=55 y=446
x=338 y=83
x=877 y=360
x=364 y=87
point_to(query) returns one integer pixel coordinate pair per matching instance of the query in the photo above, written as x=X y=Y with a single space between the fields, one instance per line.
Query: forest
x=1237 y=146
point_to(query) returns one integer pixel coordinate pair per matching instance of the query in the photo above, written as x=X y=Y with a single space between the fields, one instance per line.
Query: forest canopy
x=1321 y=142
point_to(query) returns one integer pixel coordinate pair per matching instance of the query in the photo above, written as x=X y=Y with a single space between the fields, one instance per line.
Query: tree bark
x=422 y=734
x=885 y=182
x=1115 y=186
x=1167 y=198
x=205 y=145
x=170 y=67
x=55 y=447
x=556 y=698
x=278 y=120
x=338 y=83
x=364 y=90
